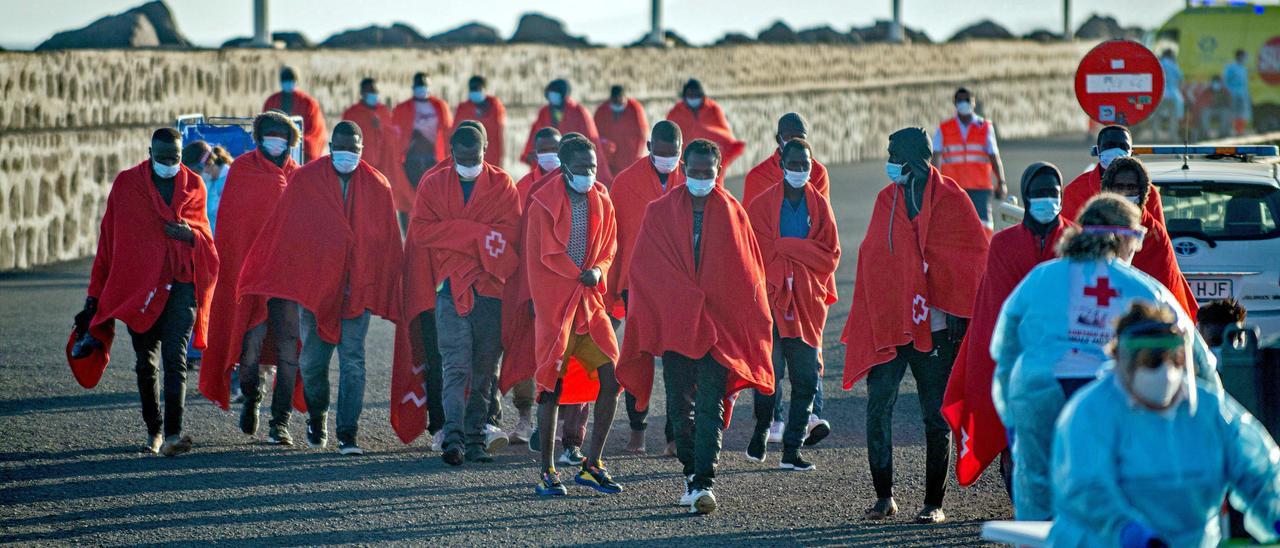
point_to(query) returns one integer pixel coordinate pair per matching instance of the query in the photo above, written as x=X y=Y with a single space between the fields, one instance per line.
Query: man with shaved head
x=769 y=171
x=294 y=102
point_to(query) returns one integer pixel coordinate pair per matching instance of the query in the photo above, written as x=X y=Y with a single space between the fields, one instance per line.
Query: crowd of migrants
x=1074 y=357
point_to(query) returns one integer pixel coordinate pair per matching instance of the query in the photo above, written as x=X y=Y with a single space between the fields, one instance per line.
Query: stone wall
x=70 y=120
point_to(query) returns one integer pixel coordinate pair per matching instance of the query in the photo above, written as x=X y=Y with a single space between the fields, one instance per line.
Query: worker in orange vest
x=968 y=153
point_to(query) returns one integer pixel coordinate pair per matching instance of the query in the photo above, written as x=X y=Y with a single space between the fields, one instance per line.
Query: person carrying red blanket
x=912 y=295
x=333 y=247
x=622 y=126
x=697 y=298
x=1113 y=142
x=155 y=270
x=769 y=171
x=800 y=243
x=975 y=426
x=700 y=117
x=467 y=218
x=490 y=112
x=254 y=330
x=567 y=116
x=293 y=101
x=381 y=141
x=423 y=123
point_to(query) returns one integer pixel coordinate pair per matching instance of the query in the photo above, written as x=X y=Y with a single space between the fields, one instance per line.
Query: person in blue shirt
x=1144 y=457
x=215 y=178
x=1236 y=79
x=1051 y=336
x=1172 y=107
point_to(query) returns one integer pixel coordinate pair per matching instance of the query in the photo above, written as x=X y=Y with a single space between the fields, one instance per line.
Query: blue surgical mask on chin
x=896 y=173
x=700 y=187
x=1109 y=155
x=476 y=97
x=165 y=171
x=1044 y=210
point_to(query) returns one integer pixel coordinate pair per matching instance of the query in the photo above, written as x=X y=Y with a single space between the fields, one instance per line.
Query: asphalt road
x=71 y=469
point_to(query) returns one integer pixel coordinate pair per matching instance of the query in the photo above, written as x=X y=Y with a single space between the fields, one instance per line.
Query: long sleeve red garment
x=574 y=119
x=709 y=122
x=623 y=134
x=494 y=119
x=905 y=267
x=1156 y=258
x=382 y=150
x=253 y=188
x=403 y=115
x=136 y=262
x=769 y=172
x=801 y=272
x=633 y=189
x=314 y=132
x=336 y=258
x=518 y=355
x=1089 y=184
x=978 y=433
x=719 y=308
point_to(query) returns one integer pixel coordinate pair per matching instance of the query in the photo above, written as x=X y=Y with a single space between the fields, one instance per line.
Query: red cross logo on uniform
x=919 y=309
x=495 y=243
x=1102 y=292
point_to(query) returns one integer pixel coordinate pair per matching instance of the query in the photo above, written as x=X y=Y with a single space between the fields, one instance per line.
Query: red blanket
x=574 y=119
x=518 y=362
x=314 y=133
x=1088 y=184
x=402 y=116
x=494 y=120
x=334 y=259
x=1157 y=260
x=632 y=191
x=769 y=172
x=526 y=183
x=136 y=262
x=801 y=271
x=907 y=266
x=623 y=134
x=253 y=188
x=720 y=308
x=710 y=123
x=977 y=430
x=382 y=150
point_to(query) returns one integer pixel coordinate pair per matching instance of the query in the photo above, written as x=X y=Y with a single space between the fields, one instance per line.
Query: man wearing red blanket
x=769 y=171
x=697 y=299
x=155 y=271
x=700 y=117
x=622 y=126
x=333 y=247
x=567 y=116
x=293 y=101
x=916 y=280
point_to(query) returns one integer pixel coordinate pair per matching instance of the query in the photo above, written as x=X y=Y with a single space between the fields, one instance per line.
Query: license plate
x=1212 y=289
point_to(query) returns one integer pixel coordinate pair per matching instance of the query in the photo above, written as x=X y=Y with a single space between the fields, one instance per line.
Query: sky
x=208 y=23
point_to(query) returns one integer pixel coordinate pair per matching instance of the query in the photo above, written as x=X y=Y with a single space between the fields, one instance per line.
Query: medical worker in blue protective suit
x=1051 y=336
x=1143 y=456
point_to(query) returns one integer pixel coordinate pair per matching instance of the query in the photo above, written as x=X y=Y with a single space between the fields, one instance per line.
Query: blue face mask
x=555 y=98
x=580 y=183
x=1044 y=210
x=894 y=171
x=419 y=92
x=1109 y=155
x=476 y=97
x=693 y=102
x=345 y=161
x=288 y=86
x=618 y=109
x=700 y=187
x=371 y=99
x=165 y=171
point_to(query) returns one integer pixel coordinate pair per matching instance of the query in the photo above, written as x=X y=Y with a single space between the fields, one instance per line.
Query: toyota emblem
x=1186 y=248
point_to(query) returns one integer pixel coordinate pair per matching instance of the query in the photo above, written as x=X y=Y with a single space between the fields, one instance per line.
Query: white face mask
x=1044 y=210
x=964 y=108
x=700 y=187
x=164 y=171
x=344 y=161
x=665 y=164
x=1133 y=199
x=1157 y=387
x=1107 y=156
x=468 y=172
x=618 y=108
x=273 y=146
x=580 y=183
x=796 y=179
x=548 y=160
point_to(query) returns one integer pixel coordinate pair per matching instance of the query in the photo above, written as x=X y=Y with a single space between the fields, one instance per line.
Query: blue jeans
x=314 y=363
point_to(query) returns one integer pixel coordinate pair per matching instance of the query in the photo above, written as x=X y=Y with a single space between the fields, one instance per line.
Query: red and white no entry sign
x=1119 y=82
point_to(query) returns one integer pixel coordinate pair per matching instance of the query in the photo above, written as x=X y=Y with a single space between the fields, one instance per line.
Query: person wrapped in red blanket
x=700 y=117
x=622 y=127
x=567 y=116
x=1113 y=142
x=769 y=171
x=295 y=102
x=155 y=270
x=697 y=298
x=381 y=141
x=492 y=115
x=423 y=123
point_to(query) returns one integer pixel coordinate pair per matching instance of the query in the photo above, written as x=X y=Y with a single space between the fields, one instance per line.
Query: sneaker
x=349 y=447
x=522 y=432
x=237 y=396
x=494 y=439
x=775 y=431
x=704 y=501
x=883 y=508
x=317 y=437
x=572 y=456
x=154 y=442
x=596 y=477
x=279 y=435
x=687 y=497
x=249 y=418
x=476 y=453
x=453 y=455
x=550 y=486
x=175 y=445
x=931 y=514
x=756 y=447
x=793 y=460
x=437 y=441
x=818 y=430
x=535 y=441
x=635 y=445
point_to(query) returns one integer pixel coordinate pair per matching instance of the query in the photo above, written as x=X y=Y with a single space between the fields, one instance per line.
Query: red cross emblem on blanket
x=1102 y=292
x=495 y=243
x=919 y=309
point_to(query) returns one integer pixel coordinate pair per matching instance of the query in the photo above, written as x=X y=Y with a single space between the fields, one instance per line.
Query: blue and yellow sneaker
x=596 y=477
x=550 y=485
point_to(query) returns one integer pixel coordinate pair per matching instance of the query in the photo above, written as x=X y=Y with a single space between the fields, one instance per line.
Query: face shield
x=1153 y=360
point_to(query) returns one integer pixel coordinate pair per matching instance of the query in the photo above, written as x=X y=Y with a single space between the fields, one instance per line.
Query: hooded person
x=697 y=298
x=254 y=330
x=796 y=230
x=382 y=144
x=769 y=171
x=333 y=247
x=489 y=111
x=423 y=123
x=155 y=270
x=700 y=117
x=1113 y=142
x=467 y=218
x=567 y=116
x=912 y=297
x=294 y=102
x=622 y=125
x=1051 y=335
x=979 y=436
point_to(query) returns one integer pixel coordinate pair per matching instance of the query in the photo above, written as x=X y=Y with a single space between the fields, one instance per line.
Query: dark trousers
x=434 y=374
x=695 y=405
x=166 y=343
x=931 y=370
x=282 y=323
x=801 y=360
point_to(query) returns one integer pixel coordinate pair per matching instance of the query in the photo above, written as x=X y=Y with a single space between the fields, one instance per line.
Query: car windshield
x=1221 y=211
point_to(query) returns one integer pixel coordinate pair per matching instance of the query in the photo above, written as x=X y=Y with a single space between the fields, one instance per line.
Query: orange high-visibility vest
x=964 y=156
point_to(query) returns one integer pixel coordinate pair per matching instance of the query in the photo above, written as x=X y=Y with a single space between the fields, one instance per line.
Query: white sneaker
x=437 y=441
x=522 y=432
x=775 y=431
x=704 y=502
x=494 y=439
x=154 y=442
x=686 y=497
x=817 y=430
